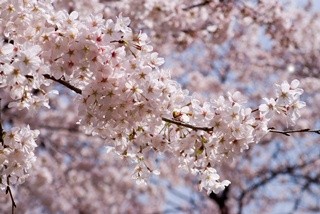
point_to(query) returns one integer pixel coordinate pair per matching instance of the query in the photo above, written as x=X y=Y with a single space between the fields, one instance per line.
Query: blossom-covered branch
x=196 y=128
x=123 y=95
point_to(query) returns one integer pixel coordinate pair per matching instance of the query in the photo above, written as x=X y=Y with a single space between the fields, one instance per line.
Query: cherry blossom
x=124 y=96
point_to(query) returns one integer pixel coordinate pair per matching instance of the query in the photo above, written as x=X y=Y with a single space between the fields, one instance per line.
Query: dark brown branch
x=179 y=123
x=209 y=129
x=221 y=200
x=255 y=110
x=63 y=82
x=1 y=129
x=197 y=5
x=12 y=199
x=8 y=190
x=288 y=132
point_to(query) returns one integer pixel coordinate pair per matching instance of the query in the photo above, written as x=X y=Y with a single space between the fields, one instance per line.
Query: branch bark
x=288 y=132
x=63 y=82
x=221 y=200
x=197 y=5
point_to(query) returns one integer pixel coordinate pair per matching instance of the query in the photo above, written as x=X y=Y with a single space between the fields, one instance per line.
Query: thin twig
x=254 y=110
x=179 y=123
x=209 y=129
x=197 y=5
x=63 y=82
x=287 y=132
x=8 y=190
x=12 y=199
x=1 y=129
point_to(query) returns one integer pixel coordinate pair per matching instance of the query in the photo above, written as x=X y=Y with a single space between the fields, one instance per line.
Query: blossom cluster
x=17 y=155
x=125 y=97
x=287 y=102
x=22 y=65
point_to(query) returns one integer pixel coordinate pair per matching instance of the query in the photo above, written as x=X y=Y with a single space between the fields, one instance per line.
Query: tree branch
x=1 y=129
x=221 y=200
x=287 y=132
x=268 y=177
x=205 y=2
x=8 y=190
x=63 y=82
x=179 y=123
x=209 y=129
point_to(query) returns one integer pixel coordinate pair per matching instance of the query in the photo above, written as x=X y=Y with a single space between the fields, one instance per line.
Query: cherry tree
x=92 y=120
